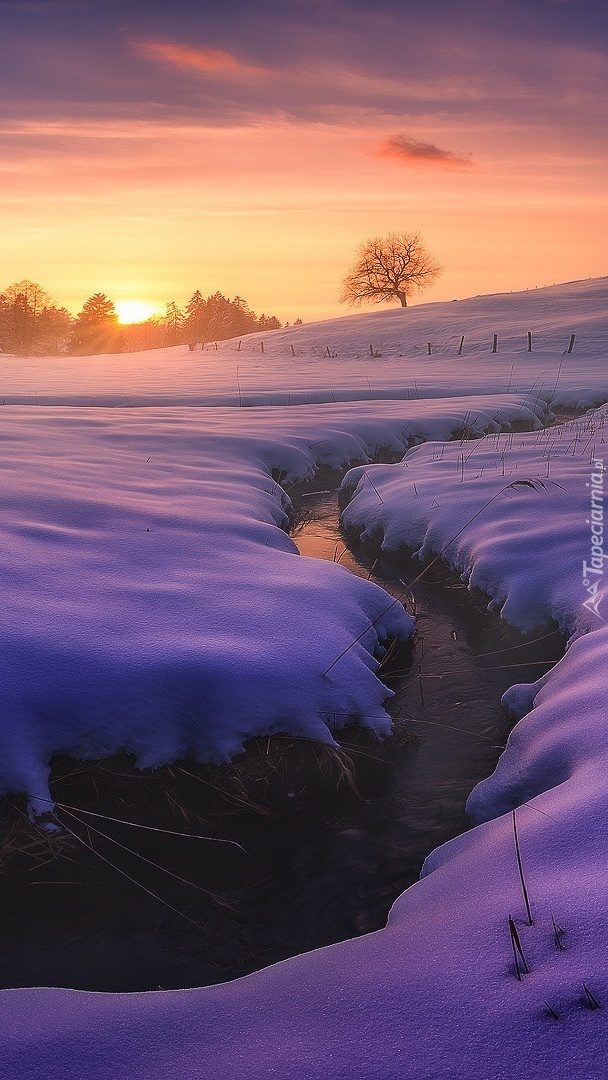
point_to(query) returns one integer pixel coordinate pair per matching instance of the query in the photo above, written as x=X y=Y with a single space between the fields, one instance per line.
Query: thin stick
x=136 y=825
x=367 y=477
x=521 y=870
x=133 y=880
x=592 y=1001
x=557 y=931
x=450 y=727
x=150 y=862
x=517 y=949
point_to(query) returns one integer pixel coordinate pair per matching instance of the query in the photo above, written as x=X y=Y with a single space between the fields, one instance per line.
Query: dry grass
x=25 y=845
x=276 y=776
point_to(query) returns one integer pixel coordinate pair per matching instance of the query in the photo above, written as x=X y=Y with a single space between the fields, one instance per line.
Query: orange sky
x=150 y=157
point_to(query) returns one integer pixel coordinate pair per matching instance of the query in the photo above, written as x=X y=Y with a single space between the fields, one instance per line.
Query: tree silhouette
x=195 y=317
x=173 y=324
x=389 y=268
x=95 y=329
x=30 y=322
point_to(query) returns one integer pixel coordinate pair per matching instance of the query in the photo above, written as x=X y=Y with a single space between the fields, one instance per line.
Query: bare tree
x=30 y=322
x=388 y=268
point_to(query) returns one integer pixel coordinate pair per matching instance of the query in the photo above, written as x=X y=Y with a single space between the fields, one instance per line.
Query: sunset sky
x=151 y=148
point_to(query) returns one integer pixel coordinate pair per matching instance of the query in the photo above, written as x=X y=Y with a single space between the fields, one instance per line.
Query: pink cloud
x=409 y=151
x=200 y=59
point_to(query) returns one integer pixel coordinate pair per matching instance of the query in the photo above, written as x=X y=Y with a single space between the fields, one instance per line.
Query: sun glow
x=134 y=311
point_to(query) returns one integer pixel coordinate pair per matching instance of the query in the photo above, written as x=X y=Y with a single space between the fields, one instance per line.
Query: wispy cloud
x=201 y=59
x=409 y=151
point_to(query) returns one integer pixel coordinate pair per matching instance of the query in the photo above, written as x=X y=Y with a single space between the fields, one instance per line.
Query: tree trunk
x=402 y=299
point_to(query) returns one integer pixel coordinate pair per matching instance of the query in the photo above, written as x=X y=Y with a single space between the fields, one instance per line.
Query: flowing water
x=315 y=866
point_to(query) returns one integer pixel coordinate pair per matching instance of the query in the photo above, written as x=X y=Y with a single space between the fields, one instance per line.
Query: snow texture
x=187 y=617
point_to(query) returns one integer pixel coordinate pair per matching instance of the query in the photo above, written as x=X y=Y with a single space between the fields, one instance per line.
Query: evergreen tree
x=219 y=314
x=96 y=327
x=195 y=321
x=174 y=325
x=244 y=320
x=268 y=322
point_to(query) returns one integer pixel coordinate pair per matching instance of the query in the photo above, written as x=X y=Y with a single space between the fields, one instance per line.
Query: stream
x=313 y=867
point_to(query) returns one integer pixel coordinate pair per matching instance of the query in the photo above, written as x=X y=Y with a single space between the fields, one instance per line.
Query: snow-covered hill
x=295 y=367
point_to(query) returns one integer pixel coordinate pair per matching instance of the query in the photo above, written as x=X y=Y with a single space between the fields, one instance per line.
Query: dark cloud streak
x=409 y=151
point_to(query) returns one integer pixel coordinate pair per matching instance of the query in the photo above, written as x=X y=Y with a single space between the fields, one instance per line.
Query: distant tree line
x=31 y=324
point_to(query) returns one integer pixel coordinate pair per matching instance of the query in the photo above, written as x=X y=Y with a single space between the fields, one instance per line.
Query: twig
x=521 y=870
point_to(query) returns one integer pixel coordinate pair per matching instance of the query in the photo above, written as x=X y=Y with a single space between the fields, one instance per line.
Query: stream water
x=310 y=870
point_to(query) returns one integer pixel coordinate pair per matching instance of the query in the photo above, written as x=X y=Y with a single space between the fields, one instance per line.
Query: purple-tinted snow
x=435 y=994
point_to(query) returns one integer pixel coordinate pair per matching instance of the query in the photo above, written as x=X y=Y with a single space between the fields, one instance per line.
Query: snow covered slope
x=435 y=995
x=248 y=376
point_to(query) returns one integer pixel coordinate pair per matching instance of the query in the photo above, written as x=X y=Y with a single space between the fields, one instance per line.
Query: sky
x=148 y=149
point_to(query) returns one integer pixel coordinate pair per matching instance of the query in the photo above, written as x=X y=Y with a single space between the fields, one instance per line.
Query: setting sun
x=134 y=311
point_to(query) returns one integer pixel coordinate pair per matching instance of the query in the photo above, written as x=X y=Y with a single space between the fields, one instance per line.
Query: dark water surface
x=318 y=865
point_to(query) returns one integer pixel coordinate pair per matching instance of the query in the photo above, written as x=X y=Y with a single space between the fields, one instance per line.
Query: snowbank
x=153 y=602
x=511 y=513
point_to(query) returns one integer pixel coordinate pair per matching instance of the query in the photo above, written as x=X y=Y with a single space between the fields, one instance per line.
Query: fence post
x=495 y=343
x=571 y=345
x=293 y=351
x=428 y=347
x=529 y=341
x=460 y=346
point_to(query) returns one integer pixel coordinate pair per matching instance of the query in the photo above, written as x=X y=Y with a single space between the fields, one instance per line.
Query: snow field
x=233 y=376
x=217 y=602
